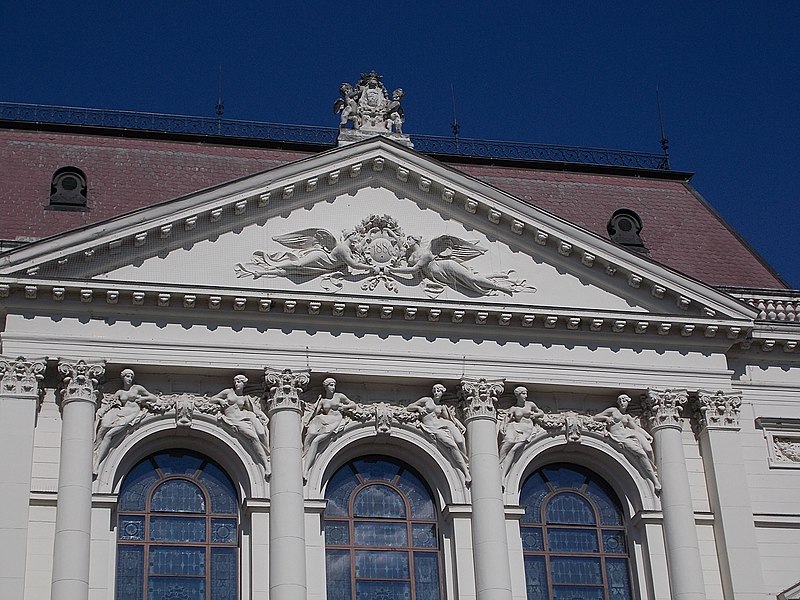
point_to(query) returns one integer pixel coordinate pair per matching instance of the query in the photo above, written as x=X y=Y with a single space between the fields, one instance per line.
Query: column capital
x=21 y=377
x=478 y=398
x=79 y=380
x=719 y=409
x=663 y=408
x=284 y=389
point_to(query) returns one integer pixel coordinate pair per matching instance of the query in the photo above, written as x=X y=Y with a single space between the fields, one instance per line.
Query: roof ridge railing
x=322 y=136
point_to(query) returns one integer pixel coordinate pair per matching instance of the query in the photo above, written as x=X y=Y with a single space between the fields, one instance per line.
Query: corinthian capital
x=663 y=408
x=21 y=377
x=284 y=389
x=479 y=398
x=719 y=410
x=79 y=380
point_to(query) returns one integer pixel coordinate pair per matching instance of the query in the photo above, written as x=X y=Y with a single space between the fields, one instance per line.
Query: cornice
x=179 y=300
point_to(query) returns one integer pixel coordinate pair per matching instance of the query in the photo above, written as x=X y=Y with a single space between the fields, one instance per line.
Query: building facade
x=368 y=373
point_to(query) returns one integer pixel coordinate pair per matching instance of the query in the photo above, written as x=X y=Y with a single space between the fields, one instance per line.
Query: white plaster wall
x=709 y=561
x=47 y=445
x=41 y=532
x=780 y=556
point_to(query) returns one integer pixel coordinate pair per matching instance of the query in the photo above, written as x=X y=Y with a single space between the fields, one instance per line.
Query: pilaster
x=20 y=381
x=74 y=501
x=663 y=412
x=490 y=544
x=287 y=546
x=717 y=414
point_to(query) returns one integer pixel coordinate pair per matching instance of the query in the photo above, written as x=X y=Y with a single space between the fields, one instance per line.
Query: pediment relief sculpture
x=125 y=410
x=377 y=253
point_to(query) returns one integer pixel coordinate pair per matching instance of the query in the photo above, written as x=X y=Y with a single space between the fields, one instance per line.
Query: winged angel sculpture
x=377 y=252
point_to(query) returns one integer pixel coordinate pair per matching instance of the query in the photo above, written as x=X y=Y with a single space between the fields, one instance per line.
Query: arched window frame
x=138 y=538
x=423 y=538
x=68 y=197
x=541 y=549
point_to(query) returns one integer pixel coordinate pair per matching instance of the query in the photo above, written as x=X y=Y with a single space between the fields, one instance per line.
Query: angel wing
x=450 y=246
x=339 y=105
x=306 y=239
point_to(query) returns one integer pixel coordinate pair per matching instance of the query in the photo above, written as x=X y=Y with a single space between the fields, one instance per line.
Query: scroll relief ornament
x=524 y=423
x=377 y=253
x=368 y=108
x=334 y=413
x=787 y=449
x=125 y=410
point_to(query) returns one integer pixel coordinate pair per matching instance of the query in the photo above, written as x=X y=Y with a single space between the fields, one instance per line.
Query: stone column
x=734 y=526
x=287 y=538
x=663 y=411
x=19 y=400
x=489 y=541
x=74 y=502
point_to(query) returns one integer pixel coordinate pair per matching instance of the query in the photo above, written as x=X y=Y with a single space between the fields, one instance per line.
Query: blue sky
x=576 y=73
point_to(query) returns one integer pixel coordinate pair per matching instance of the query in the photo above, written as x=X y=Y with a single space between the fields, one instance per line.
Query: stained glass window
x=381 y=534
x=573 y=537
x=177 y=530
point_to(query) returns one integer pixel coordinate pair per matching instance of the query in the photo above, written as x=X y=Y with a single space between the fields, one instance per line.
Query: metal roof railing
x=321 y=136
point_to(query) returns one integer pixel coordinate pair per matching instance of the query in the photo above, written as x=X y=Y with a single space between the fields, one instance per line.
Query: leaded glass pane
x=381 y=565
x=178 y=495
x=176 y=588
x=383 y=590
x=418 y=494
x=133 y=492
x=619 y=583
x=177 y=560
x=183 y=463
x=570 y=508
x=536 y=578
x=576 y=570
x=178 y=529
x=572 y=540
x=337 y=533
x=223 y=531
x=379 y=501
x=380 y=534
x=338 y=493
x=606 y=501
x=532 y=496
x=614 y=542
x=131 y=528
x=223 y=573
x=378 y=469
x=130 y=572
x=532 y=539
x=426 y=575
x=574 y=592
x=424 y=535
x=221 y=491
x=337 y=567
x=565 y=476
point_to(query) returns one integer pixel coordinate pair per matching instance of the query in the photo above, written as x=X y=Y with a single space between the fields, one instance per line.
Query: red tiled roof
x=125 y=174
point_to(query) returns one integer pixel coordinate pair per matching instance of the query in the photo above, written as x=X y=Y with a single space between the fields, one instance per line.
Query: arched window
x=573 y=537
x=68 y=189
x=381 y=538
x=177 y=530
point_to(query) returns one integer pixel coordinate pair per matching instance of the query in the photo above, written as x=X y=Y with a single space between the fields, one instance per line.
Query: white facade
x=175 y=294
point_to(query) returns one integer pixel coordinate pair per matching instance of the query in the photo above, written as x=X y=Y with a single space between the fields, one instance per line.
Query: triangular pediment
x=375 y=221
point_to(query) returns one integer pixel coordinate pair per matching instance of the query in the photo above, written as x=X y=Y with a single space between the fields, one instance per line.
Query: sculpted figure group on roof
x=367 y=105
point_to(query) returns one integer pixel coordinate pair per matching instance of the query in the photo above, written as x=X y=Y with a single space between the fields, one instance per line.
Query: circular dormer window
x=68 y=189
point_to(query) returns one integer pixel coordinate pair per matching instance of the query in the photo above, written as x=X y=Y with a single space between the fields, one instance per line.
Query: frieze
x=783 y=441
x=377 y=253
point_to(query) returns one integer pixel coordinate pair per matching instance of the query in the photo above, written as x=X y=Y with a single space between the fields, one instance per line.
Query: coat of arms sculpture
x=370 y=111
x=377 y=252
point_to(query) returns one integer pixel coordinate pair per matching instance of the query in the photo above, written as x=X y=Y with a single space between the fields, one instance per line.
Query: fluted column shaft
x=19 y=398
x=663 y=410
x=287 y=540
x=74 y=502
x=489 y=540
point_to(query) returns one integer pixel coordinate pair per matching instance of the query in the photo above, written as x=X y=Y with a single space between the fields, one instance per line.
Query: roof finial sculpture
x=370 y=111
